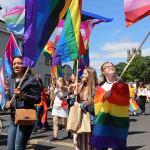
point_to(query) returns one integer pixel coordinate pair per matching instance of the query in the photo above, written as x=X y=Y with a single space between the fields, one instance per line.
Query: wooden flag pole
x=77 y=78
x=13 y=98
x=134 y=55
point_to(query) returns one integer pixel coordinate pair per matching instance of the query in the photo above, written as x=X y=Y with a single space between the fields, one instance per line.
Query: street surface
x=138 y=139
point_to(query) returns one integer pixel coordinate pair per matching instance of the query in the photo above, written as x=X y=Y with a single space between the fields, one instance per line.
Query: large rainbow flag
x=2 y=89
x=39 y=25
x=112 y=117
x=69 y=42
x=15 y=19
x=11 y=50
x=136 y=10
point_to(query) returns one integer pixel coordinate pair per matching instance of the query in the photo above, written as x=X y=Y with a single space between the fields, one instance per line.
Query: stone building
x=130 y=53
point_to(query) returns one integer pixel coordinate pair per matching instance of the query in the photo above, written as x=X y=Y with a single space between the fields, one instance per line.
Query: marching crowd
x=98 y=110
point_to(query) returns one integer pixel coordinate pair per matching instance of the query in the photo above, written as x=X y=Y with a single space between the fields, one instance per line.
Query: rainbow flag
x=56 y=71
x=135 y=10
x=15 y=19
x=133 y=105
x=39 y=25
x=68 y=45
x=112 y=117
x=11 y=50
x=48 y=50
x=2 y=89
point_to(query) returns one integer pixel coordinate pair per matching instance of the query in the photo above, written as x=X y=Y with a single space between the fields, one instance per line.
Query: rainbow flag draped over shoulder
x=41 y=18
x=135 y=10
x=69 y=44
x=2 y=89
x=11 y=51
x=112 y=117
x=15 y=19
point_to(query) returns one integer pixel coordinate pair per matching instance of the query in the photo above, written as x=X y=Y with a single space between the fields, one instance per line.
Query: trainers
x=134 y=113
x=143 y=113
x=53 y=139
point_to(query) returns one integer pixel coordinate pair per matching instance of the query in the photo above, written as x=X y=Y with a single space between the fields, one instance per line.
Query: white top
x=142 y=92
x=107 y=86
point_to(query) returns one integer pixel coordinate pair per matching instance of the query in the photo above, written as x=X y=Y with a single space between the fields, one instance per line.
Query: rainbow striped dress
x=112 y=117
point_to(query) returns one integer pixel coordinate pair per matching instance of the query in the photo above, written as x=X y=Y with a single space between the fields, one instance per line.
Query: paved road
x=139 y=135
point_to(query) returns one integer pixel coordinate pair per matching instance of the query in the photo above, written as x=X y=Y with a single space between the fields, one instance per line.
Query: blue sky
x=109 y=41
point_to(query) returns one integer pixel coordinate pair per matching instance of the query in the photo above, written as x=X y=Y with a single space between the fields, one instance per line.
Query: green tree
x=138 y=70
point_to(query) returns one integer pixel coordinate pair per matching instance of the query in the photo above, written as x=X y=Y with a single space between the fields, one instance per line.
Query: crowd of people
x=104 y=103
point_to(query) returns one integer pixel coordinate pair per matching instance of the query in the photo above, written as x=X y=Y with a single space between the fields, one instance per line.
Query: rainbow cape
x=133 y=105
x=112 y=117
x=15 y=19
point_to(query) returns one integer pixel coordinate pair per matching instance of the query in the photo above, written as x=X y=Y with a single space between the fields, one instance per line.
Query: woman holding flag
x=111 y=103
x=26 y=96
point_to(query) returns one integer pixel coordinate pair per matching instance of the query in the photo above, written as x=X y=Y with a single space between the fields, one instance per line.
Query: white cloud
x=119 y=46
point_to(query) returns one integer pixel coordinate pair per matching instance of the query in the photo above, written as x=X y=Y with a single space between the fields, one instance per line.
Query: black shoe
x=53 y=139
x=70 y=136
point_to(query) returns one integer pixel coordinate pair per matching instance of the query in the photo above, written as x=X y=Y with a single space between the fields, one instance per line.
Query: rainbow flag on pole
x=68 y=45
x=11 y=50
x=2 y=89
x=15 y=19
x=135 y=10
x=112 y=117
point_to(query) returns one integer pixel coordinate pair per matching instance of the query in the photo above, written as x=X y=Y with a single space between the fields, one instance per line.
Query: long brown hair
x=90 y=84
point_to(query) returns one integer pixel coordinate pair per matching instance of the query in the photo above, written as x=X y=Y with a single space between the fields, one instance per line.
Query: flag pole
x=22 y=79
x=134 y=55
x=77 y=78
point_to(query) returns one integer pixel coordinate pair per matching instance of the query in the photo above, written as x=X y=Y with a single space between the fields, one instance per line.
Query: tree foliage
x=138 y=70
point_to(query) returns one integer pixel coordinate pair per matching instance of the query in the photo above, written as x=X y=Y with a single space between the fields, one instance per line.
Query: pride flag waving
x=14 y=19
x=11 y=50
x=136 y=10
